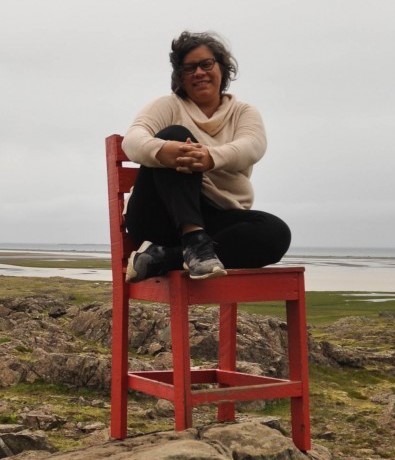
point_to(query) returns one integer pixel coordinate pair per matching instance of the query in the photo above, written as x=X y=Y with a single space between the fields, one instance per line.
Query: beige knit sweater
x=234 y=135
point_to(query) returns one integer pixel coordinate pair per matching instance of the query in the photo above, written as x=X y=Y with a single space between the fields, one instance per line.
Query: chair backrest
x=121 y=175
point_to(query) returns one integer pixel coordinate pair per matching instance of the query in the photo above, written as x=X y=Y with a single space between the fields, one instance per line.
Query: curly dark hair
x=187 y=42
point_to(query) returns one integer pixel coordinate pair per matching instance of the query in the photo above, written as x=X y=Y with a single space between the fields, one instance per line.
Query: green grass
x=71 y=291
x=42 y=389
x=69 y=263
x=324 y=307
x=5 y=340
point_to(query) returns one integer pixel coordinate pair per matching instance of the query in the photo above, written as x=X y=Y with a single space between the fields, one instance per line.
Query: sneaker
x=200 y=258
x=146 y=262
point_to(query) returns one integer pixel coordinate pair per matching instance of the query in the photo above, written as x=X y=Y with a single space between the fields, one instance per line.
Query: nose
x=199 y=71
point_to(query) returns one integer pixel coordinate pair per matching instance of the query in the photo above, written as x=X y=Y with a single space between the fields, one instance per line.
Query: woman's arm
x=139 y=143
x=248 y=144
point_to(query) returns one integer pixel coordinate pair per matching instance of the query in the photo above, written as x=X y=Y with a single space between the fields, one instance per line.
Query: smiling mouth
x=201 y=82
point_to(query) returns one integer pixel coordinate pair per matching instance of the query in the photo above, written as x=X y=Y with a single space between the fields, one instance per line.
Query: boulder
x=15 y=443
x=250 y=440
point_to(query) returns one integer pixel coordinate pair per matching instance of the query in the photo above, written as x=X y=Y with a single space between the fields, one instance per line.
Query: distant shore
x=323 y=273
x=297 y=251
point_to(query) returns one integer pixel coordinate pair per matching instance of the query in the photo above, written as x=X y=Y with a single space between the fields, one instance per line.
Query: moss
x=62 y=442
x=149 y=426
x=5 y=418
x=5 y=340
x=23 y=349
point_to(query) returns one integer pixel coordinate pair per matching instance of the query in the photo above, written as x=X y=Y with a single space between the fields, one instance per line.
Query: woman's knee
x=261 y=241
x=175 y=133
x=281 y=239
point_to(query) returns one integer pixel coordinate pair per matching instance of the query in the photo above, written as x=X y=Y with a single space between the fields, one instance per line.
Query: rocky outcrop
x=250 y=440
x=44 y=338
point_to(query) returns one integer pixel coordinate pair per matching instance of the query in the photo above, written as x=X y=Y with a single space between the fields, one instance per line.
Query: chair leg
x=181 y=354
x=119 y=368
x=298 y=368
x=227 y=352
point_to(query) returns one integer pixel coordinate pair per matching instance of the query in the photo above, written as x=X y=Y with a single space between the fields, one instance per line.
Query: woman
x=190 y=205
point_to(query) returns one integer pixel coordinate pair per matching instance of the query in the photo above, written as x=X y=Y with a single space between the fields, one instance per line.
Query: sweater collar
x=214 y=124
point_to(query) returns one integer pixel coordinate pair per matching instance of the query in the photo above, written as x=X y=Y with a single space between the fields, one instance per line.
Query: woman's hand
x=194 y=157
x=169 y=153
x=186 y=157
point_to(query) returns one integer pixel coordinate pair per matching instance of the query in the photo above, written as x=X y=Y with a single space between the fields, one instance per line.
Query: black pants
x=164 y=199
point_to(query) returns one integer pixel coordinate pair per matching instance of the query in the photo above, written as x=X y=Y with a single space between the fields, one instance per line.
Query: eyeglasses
x=205 y=64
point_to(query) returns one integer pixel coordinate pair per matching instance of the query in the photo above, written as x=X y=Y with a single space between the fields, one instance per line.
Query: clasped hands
x=185 y=157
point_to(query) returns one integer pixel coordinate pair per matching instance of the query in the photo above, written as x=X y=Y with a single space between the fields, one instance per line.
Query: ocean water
x=375 y=252
x=61 y=247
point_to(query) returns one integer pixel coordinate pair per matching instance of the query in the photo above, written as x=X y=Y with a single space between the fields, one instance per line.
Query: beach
x=323 y=273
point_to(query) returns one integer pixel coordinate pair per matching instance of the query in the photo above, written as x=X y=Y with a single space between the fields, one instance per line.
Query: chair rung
x=152 y=387
x=288 y=389
x=239 y=386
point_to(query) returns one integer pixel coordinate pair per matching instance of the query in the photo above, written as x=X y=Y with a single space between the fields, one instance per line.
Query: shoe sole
x=131 y=273
x=216 y=273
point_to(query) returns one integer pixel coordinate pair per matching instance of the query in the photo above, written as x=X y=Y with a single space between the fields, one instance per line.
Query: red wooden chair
x=179 y=291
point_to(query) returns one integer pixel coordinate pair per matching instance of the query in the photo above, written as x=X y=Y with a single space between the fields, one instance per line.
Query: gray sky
x=321 y=73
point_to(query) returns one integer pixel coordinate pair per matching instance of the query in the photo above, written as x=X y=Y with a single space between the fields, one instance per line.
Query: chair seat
x=246 y=285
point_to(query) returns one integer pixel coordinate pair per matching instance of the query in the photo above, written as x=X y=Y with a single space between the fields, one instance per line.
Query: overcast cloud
x=321 y=73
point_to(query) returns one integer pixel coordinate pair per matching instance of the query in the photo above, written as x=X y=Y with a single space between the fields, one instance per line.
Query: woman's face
x=202 y=86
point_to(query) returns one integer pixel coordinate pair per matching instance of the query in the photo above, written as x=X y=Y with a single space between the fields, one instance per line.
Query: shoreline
x=323 y=273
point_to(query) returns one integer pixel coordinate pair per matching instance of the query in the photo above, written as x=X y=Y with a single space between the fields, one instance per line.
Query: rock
x=98 y=403
x=4 y=311
x=328 y=435
x=260 y=339
x=154 y=348
x=12 y=370
x=40 y=421
x=387 y=314
x=180 y=450
x=57 y=311
x=164 y=408
x=381 y=398
x=391 y=406
x=10 y=428
x=5 y=451
x=90 y=427
x=93 y=322
x=249 y=368
x=32 y=455
x=23 y=440
x=163 y=360
x=66 y=352
x=389 y=413
x=80 y=370
x=342 y=355
x=319 y=453
x=272 y=422
x=252 y=440
x=96 y=437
